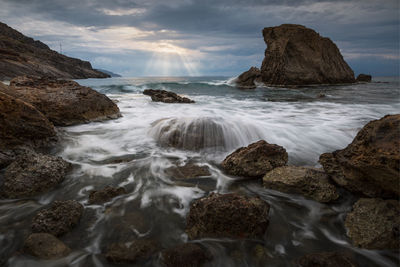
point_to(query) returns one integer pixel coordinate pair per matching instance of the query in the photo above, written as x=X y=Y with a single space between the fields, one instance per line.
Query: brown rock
x=189 y=170
x=31 y=174
x=309 y=182
x=325 y=259
x=166 y=96
x=364 y=78
x=370 y=165
x=105 y=195
x=255 y=160
x=230 y=215
x=374 y=223
x=185 y=255
x=59 y=219
x=45 y=246
x=297 y=55
x=137 y=250
x=246 y=79
x=63 y=102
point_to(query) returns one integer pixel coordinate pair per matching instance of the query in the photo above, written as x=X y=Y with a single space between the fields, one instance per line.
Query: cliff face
x=21 y=55
x=297 y=55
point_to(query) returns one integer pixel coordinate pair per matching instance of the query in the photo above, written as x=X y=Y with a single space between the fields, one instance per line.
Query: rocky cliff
x=21 y=55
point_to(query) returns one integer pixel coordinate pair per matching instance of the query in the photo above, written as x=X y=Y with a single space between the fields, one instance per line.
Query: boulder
x=45 y=246
x=185 y=255
x=255 y=160
x=370 y=165
x=325 y=259
x=132 y=252
x=166 y=96
x=297 y=55
x=229 y=215
x=31 y=174
x=246 y=79
x=58 y=219
x=63 y=102
x=306 y=181
x=105 y=195
x=189 y=170
x=374 y=223
x=364 y=78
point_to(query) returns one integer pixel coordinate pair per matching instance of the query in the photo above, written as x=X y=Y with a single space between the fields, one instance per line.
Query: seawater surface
x=124 y=152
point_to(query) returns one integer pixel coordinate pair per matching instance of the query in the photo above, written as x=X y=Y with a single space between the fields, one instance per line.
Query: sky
x=204 y=37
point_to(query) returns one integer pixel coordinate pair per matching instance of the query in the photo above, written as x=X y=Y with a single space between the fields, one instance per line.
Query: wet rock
x=321 y=95
x=63 y=102
x=246 y=79
x=6 y=158
x=297 y=55
x=364 y=78
x=189 y=170
x=370 y=165
x=255 y=160
x=105 y=195
x=45 y=246
x=185 y=255
x=374 y=223
x=325 y=259
x=229 y=215
x=137 y=250
x=58 y=219
x=31 y=174
x=166 y=96
x=309 y=182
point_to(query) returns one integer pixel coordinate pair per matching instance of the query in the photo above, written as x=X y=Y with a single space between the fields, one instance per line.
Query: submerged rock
x=370 y=165
x=58 y=219
x=246 y=79
x=229 y=215
x=132 y=252
x=31 y=174
x=297 y=55
x=364 y=78
x=45 y=246
x=189 y=170
x=325 y=259
x=309 y=182
x=105 y=195
x=185 y=255
x=166 y=96
x=374 y=223
x=255 y=160
x=63 y=102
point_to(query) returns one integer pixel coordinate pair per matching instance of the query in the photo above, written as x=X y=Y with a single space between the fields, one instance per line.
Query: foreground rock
x=189 y=170
x=63 y=102
x=230 y=215
x=325 y=259
x=185 y=255
x=255 y=160
x=59 y=219
x=374 y=223
x=138 y=250
x=45 y=246
x=247 y=79
x=370 y=165
x=105 y=195
x=309 y=182
x=166 y=96
x=364 y=78
x=31 y=174
x=21 y=55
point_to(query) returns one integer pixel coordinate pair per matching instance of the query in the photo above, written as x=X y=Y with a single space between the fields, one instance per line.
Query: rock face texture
x=247 y=79
x=185 y=255
x=255 y=160
x=310 y=182
x=370 y=165
x=189 y=170
x=21 y=55
x=31 y=174
x=105 y=195
x=166 y=96
x=229 y=215
x=63 y=102
x=297 y=55
x=374 y=223
x=364 y=78
x=45 y=246
x=325 y=259
x=59 y=219
x=137 y=250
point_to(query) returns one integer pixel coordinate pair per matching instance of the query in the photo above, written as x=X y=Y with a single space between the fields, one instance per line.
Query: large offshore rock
x=374 y=223
x=45 y=246
x=297 y=55
x=364 y=78
x=63 y=102
x=370 y=165
x=166 y=96
x=247 y=79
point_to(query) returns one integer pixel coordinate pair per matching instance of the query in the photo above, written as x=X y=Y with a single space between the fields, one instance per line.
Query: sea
x=127 y=152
